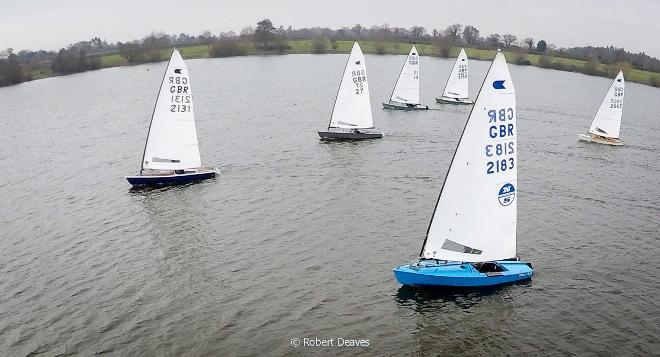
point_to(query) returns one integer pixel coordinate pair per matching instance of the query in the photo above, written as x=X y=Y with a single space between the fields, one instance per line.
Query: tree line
x=266 y=38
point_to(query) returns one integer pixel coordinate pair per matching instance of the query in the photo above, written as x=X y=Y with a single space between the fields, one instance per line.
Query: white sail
x=172 y=140
x=352 y=106
x=607 y=121
x=406 y=89
x=457 y=84
x=475 y=217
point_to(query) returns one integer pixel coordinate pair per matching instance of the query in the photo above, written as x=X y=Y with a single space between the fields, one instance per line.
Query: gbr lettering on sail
x=500 y=148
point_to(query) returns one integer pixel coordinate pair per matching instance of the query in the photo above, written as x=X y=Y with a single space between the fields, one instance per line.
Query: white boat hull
x=595 y=139
x=448 y=100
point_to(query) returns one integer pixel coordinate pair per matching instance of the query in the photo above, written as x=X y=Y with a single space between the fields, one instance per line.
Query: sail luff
x=428 y=229
x=399 y=77
x=339 y=88
x=146 y=142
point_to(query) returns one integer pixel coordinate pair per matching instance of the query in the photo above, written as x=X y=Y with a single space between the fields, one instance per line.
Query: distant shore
x=401 y=48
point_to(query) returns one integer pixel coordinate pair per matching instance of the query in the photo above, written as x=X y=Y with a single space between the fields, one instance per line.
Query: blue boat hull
x=162 y=180
x=456 y=274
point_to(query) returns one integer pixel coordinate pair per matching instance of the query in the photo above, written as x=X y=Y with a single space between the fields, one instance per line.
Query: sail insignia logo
x=177 y=71
x=507 y=194
x=498 y=85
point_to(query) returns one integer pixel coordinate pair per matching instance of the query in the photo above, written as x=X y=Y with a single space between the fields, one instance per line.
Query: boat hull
x=448 y=100
x=456 y=274
x=394 y=106
x=594 y=139
x=347 y=135
x=174 y=179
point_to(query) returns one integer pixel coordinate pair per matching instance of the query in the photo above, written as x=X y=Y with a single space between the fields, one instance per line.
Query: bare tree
x=247 y=32
x=530 y=42
x=509 y=39
x=358 y=30
x=470 y=34
x=453 y=32
x=417 y=32
x=207 y=38
x=494 y=40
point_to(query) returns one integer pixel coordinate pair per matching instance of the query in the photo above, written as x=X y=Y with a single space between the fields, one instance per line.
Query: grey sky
x=42 y=24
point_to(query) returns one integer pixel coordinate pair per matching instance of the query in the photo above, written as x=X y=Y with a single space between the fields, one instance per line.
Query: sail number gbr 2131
x=180 y=98
x=501 y=148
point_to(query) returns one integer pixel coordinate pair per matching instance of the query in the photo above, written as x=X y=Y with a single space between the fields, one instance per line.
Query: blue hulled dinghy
x=471 y=239
x=171 y=153
x=351 y=117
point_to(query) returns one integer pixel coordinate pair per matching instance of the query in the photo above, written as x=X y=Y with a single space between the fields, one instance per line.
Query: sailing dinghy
x=171 y=153
x=405 y=95
x=607 y=122
x=351 y=116
x=471 y=239
x=456 y=89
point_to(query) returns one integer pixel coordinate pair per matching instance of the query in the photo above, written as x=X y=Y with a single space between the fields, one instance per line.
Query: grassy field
x=399 y=48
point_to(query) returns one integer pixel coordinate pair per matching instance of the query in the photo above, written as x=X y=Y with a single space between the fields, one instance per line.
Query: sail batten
x=352 y=109
x=457 y=84
x=607 y=121
x=406 y=89
x=475 y=215
x=172 y=140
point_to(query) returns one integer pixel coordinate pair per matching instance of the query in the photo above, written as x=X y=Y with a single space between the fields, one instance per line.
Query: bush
x=379 y=46
x=443 y=49
x=521 y=59
x=654 y=80
x=227 y=47
x=320 y=45
x=590 y=68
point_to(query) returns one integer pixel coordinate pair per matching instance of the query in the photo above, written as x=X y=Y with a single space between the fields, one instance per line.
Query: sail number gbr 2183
x=501 y=147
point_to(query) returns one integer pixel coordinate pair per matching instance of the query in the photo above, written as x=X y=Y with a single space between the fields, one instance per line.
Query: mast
x=154 y=111
x=340 y=82
x=399 y=77
x=421 y=252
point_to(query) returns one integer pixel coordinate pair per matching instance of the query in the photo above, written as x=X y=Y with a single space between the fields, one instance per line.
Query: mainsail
x=475 y=216
x=172 y=139
x=607 y=121
x=406 y=89
x=457 y=84
x=352 y=108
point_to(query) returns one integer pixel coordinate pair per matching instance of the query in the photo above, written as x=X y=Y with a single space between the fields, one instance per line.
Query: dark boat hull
x=177 y=179
x=341 y=135
x=404 y=107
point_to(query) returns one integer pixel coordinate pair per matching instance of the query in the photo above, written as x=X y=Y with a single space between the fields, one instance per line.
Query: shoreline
x=197 y=51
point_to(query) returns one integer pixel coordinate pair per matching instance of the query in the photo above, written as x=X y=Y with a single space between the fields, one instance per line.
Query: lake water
x=297 y=238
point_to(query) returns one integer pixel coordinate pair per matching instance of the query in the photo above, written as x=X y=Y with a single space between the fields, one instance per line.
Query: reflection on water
x=451 y=321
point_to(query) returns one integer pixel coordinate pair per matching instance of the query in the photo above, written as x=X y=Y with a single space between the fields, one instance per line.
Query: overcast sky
x=52 y=24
